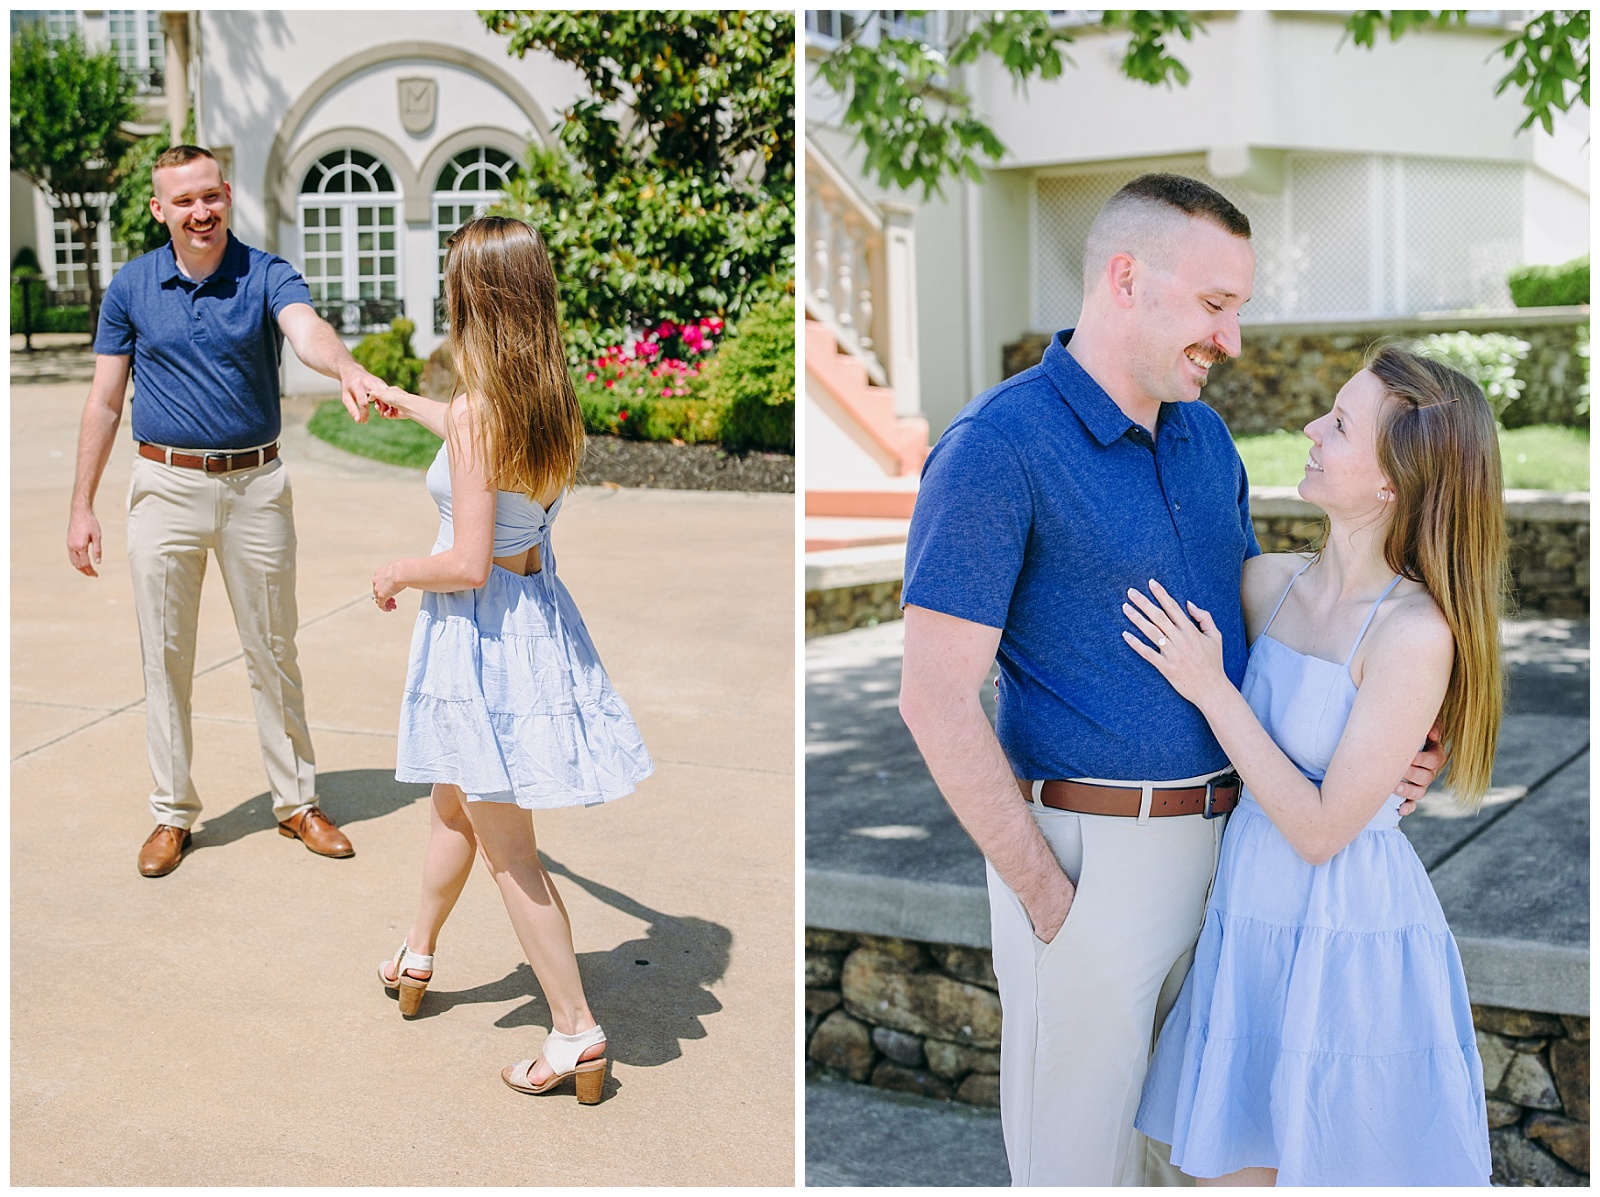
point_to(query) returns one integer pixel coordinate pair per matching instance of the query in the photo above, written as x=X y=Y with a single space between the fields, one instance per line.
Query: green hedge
x=70 y=318
x=1551 y=286
x=752 y=376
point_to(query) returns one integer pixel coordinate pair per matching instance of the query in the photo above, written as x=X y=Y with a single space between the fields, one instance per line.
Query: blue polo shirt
x=205 y=355
x=1040 y=506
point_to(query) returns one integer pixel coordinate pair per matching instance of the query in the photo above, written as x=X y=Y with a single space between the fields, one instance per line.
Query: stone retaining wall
x=1289 y=373
x=925 y=1018
x=863 y=606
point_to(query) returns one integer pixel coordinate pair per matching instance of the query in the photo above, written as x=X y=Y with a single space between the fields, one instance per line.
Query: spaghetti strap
x=1281 y=598
x=1361 y=635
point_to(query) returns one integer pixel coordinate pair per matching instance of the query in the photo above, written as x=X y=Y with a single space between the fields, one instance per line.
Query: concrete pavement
x=223 y=1025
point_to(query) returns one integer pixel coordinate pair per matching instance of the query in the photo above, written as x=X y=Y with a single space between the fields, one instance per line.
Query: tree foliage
x=918 y=126
x=1550 y=56
x=67 y=110
x=670 y=193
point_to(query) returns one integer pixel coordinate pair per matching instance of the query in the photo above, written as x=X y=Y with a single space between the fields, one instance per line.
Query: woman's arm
x=393 y=403
x=1408 y=660
x=465 y=564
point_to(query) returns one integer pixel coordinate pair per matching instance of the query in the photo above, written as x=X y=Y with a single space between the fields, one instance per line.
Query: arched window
x=469 y=185
x=350 y=240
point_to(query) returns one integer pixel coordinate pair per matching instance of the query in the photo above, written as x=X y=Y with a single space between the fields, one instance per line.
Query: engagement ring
x=1161 y=642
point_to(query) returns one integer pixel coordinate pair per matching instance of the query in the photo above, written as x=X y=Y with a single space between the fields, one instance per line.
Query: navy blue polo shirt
x=205 y=355
x=1040 y=506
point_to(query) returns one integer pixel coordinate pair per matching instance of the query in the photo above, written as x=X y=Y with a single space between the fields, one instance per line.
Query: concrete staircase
x=863 y=465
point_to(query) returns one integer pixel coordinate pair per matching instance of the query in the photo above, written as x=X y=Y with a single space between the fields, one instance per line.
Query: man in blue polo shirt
x=1095 y=793
x=200 y=325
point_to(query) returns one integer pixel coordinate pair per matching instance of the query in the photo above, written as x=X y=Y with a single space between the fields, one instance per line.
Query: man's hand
x=1423 y=769
x=358 y=387
x=83 y=542
x=1052 y=912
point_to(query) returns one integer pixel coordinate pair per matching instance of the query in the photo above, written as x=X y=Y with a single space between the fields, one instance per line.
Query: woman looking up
x=1324 y=1036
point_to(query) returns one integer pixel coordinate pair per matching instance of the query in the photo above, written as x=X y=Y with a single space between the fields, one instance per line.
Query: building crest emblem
x=419 y=102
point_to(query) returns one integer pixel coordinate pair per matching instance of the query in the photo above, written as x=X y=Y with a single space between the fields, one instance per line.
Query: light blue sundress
x=1324 y=1029
x=505 y=694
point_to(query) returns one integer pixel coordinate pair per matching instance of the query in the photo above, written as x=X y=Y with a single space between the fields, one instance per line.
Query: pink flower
x=609 y=384
x=589 y=377
x=666 y=392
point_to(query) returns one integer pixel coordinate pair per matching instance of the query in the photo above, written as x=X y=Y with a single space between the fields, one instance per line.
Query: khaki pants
x=1081 y=1012
x=247 y=519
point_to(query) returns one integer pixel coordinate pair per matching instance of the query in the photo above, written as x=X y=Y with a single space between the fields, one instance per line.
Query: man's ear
x=1121 y=269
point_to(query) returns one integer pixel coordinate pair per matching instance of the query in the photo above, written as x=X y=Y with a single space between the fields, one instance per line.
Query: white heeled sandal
x=411 y=988
x=561 y=1053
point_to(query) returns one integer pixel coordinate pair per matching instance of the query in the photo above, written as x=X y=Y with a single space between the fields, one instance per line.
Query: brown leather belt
x=211 y=463
x=1217 y=797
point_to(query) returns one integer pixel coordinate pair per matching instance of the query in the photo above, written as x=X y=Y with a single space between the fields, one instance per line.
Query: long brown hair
x=1439 y=448
x=505 y=343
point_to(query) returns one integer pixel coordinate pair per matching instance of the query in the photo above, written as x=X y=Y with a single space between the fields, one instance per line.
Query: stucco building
x=1380 y=183
x=355 y=142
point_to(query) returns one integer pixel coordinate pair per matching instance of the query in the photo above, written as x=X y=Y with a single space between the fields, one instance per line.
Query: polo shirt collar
x=1105 y=421
x=234 y=264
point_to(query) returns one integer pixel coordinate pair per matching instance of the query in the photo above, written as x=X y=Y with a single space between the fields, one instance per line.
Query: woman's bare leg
x=1246 y=1178
x=445 y=869
x=505 y=835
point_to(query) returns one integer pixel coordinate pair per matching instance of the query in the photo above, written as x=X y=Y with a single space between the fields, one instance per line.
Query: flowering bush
x=650 y=388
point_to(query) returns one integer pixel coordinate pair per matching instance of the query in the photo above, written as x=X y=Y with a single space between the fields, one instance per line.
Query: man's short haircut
x=1138 y=218
x=180 y=155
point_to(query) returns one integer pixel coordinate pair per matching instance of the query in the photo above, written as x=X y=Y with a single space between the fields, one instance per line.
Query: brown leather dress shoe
x=163 y=851
x=317 y=832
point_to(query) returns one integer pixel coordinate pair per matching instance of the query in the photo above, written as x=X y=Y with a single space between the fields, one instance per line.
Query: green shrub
x=1550 y=286
x=752 y=376
x=389 y=355
x=1489 y=359
x=70 y=318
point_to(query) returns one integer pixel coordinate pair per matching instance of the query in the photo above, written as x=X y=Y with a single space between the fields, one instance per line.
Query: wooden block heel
x=591 y=1081
x=411 y=991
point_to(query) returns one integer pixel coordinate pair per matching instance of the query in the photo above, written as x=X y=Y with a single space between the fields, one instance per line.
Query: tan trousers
x=1081 y=1012
x=247 y=519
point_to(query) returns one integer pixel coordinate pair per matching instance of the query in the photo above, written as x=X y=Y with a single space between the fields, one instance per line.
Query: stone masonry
x=925 y=1018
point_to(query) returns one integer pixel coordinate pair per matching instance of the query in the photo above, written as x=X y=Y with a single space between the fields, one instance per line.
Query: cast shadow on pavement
x=348 y=796
x=651 y=992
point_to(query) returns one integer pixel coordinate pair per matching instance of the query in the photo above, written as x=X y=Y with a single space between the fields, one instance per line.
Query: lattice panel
x=1463 y=233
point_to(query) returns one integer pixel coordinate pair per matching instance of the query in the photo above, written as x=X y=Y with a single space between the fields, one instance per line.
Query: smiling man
x=199 y=324
x=1094 y=797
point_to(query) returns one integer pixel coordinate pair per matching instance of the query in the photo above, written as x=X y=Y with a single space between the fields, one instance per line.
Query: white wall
x=1277 y=79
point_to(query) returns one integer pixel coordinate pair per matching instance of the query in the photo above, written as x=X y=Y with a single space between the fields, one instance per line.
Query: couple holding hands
x=507 y=707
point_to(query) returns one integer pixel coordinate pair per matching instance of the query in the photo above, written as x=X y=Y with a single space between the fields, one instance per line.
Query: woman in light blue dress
x=507 y=708
x=1323 y=1035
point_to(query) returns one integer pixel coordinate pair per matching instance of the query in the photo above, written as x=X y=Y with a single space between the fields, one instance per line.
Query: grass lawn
x=398 y=442
x=1544 y=457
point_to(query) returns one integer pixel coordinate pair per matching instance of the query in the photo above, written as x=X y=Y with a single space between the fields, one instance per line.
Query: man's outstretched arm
x=946 y=662
x=318 y=346
x=102 y=413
